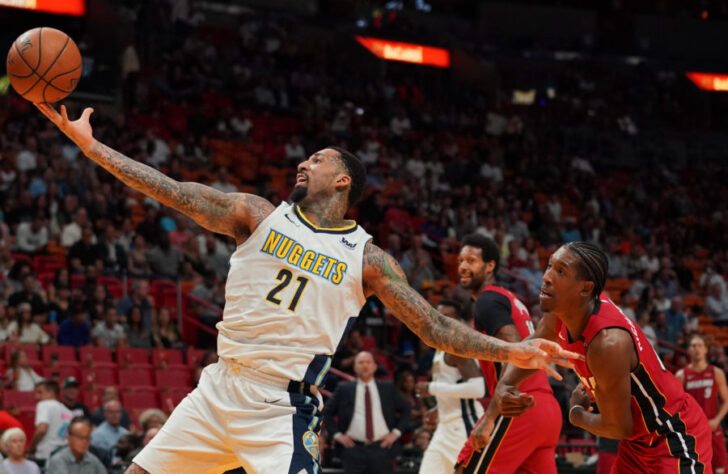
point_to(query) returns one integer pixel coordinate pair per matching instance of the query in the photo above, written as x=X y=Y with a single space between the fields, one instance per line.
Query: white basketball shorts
x=236 y=418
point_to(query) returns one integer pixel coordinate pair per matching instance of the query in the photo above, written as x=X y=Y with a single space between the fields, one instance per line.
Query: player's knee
x=135 y=469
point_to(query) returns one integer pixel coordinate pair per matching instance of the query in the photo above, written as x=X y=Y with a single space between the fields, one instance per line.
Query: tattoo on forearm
x=209 y=207
x=390 y=285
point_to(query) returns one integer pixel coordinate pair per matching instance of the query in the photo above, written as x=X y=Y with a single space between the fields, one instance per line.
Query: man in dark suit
x=366 y=417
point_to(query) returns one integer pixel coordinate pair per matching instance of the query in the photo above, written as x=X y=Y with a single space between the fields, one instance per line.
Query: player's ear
x=587 y=288
x=490 y=266
x=342 y=181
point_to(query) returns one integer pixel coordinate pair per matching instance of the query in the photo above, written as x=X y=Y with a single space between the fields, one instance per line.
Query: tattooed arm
x=384 y=277
x=233 y=214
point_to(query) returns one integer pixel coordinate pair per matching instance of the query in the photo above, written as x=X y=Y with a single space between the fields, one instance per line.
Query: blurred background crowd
x=518 y=143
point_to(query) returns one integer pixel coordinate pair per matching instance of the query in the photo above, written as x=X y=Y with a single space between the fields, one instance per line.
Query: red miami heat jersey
x=657 y=395
x=701 y=385
x=522 y=321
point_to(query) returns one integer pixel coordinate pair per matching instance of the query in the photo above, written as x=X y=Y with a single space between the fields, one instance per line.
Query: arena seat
x=172 y=397
x=132 y=356
x=89 y=355
x=167 y=358
x=173 y=378
x=48 y=263
x=31 y=350
x=99 y=376
x=60 y=373
x=194 y=356
x=113 y=285
x=51 y=354
x=136 y=377
x=19 y=400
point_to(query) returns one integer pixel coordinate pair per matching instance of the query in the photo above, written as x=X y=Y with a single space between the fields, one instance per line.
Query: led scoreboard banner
x=708 y=81
x=61 y=7
x=406 y=52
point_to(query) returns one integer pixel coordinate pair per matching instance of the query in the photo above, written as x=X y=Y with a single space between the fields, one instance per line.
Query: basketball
x=44 y=65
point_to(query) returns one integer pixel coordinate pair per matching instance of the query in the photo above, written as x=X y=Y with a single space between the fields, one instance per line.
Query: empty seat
x=166 y=357
x=172 y=397
x=100 y=376
x=195 y=356
x=89 y=355
x=136 y=402
x=172 y=378
x=132 y=356
x=139 y=377
x=60 y=373
x=58 y=353
x=48 y=263
x=19 y=400
x=113 y=285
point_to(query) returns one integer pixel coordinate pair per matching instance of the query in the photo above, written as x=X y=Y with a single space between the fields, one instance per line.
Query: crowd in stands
x=85 y=262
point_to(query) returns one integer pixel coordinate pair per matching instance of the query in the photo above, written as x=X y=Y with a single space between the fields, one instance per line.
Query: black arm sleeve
x=492 y=312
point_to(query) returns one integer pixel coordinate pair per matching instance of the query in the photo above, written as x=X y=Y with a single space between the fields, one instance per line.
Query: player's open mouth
x=543 y=294
x=301 y=178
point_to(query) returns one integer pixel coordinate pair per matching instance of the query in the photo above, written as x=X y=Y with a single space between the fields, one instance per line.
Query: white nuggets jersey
x=451 y=408
x=292 y=292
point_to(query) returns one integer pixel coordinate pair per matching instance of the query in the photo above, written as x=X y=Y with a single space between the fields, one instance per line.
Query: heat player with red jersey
x=707 y=384
x=662 y=429
x=515 y=445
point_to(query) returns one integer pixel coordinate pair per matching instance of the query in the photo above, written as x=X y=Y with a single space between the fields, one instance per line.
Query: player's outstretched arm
x=233 y=214
x=385 y=278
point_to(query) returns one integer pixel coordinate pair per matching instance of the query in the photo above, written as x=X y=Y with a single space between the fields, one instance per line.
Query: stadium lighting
x=406 y=52
x=61 y=7
x=709 y=81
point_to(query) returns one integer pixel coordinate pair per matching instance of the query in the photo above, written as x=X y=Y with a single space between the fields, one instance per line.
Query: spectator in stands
x=709 y=277
x=8 y=421
x=716 y=304
x=108 y=332
x=4 y=322
x=667 y=281
x=75 y=331
x=13 y=443
x=97 y=302
x=137 y=334
x=110 y=393
x=72 y=231
x=29 y=294
x=295 y=152
x=152 y=418
x=165 y=259
x=32 y=237
x=417 y=264
x=76 y=458
x=139 y=296
x=113 y=250
x=125 y=450
x=69 y=397
x=663 y=332
x=644 y=322
x=51 y=421
x=20 y=374
x=24 y=330
x=86 y=252
x=222 y=183
x=107 y=434
x=209 y=290
x=345 y=355
x=676 y=319
x=405 y=384
x=59 y=303
x=137 y=264
x=615 y=260
x=164 y=332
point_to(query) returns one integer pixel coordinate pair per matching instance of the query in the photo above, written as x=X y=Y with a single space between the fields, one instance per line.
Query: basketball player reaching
x=456 y=384
x=514 y=445
x=662 y=429
x=297 y=280
x=706 y=383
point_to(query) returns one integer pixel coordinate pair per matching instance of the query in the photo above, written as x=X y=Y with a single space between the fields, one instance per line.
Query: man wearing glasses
x=75 y=457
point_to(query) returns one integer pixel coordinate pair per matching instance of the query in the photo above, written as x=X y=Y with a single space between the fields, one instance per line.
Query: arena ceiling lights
x=406 y=52
x=708 y=81
x=61 y=7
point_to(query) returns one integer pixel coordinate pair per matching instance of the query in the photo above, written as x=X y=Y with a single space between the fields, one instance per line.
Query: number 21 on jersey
x=284 y=277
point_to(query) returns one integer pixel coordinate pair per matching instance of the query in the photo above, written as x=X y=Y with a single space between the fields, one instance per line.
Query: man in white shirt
x=367 y=417
x=72 y=231
x=32 y=237
x=51 y=420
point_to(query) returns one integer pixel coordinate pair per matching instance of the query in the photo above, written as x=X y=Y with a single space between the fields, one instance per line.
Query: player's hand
x=345 y=440
x=79 y=131
x=388 y=440
x=714 y=424
x=431 y=418
x=480 y=436
x=539 y=353
x=509 y=401
x=580 y=396
x=422 y=389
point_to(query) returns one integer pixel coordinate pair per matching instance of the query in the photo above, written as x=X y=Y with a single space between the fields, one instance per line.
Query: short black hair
x=80 y=419
x=593 y=264
x=487 y=246
x=51 y=386
x=356 y=170
x=453 y=304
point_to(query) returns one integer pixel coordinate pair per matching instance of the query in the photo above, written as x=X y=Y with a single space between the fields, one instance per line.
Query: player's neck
x=325 y=213
x=475 y=293
x=576 y=321
x=699 y=365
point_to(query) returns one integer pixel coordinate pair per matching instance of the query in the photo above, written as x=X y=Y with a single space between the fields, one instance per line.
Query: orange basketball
x=44 y=65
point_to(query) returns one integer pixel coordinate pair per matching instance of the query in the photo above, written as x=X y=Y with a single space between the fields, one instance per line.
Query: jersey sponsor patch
x=287 y=249
x=311 y=443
